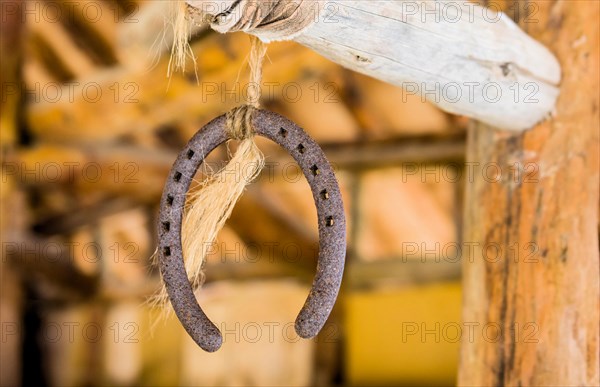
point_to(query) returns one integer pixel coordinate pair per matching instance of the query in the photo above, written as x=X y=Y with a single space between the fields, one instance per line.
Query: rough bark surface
x=532 y=216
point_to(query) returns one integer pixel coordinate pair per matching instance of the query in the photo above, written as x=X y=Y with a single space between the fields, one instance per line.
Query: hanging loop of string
x=239 y=119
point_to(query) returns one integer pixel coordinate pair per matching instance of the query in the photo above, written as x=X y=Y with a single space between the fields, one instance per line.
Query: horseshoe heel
x=332 y=225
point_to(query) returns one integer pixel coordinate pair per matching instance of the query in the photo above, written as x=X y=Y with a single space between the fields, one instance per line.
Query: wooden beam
x=400 y=271
x=467 y=59
x=425 y=149
x=135 y=175
x=114 y=170
x=126 y=102
x=139 y=172
x=534 y=202
x=61 y=43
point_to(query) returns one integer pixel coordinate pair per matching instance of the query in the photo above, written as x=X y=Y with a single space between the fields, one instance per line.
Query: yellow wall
x=403 y=336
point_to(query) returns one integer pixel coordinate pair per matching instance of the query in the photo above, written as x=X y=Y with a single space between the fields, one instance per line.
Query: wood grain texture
x=466 y=59
x=123 y=101
x=534 y=199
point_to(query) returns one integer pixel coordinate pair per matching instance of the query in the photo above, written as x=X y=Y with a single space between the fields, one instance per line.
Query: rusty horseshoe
x=332 y=225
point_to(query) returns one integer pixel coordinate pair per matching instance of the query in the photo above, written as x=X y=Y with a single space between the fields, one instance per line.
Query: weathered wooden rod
x=465 y=58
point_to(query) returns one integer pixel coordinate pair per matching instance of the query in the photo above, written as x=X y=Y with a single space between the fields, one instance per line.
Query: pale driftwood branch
x=464 y=58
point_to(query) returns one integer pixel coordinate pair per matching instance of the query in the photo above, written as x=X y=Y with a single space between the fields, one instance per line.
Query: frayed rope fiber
x=208 y=208
x=269 y=20
x=181 y=22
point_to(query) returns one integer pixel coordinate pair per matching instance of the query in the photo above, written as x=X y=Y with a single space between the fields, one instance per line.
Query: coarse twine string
x=270 y=20
x=208 y=208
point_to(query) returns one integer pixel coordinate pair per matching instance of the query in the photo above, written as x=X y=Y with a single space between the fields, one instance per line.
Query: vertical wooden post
x=531 y=218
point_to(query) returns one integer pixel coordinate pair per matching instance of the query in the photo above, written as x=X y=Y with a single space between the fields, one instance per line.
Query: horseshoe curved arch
x=330 y=210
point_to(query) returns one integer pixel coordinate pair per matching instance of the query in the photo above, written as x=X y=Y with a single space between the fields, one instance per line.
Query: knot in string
x=239 y=122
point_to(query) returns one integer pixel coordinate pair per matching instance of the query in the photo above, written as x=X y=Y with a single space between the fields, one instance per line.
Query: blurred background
x=90 y=128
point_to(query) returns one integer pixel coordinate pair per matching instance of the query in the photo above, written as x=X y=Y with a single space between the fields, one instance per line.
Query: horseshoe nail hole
x=329 y=221
x=190 y=154
x=315 y=170
x=324 y=194
x=177 y=177
x=166 y=226
x=283 y=132
x=167 y=251
x=170 y=200
x=301 y=148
